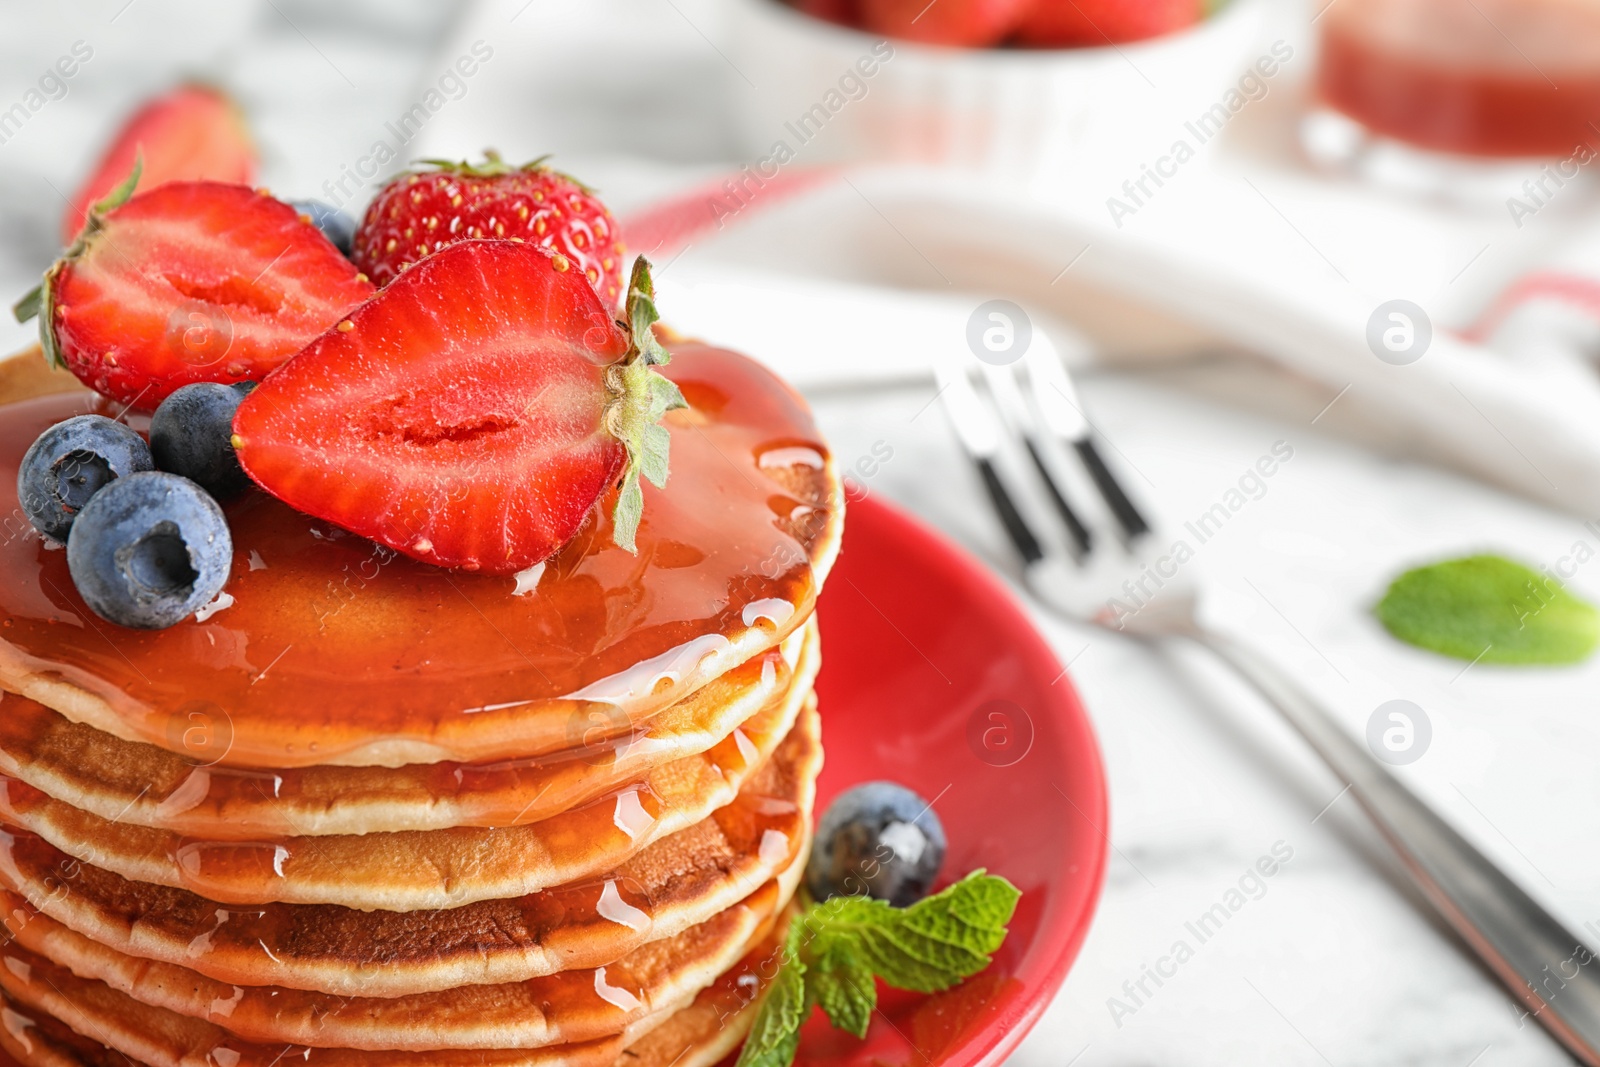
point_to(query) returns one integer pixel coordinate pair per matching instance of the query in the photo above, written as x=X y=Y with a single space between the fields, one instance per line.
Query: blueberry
x=191 y=434
x=336 y=226
x=150 y=550
x=71 y=462
x=880 y=840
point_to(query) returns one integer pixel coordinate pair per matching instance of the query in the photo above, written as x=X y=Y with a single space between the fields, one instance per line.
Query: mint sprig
x=775 y=1035
x=836 y=950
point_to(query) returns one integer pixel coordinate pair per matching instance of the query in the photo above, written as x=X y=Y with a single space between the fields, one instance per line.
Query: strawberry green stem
x=493 y=167
x=640 y=397
x=40 y=301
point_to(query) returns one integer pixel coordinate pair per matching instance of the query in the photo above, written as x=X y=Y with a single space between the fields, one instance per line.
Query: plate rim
x=999 y=1035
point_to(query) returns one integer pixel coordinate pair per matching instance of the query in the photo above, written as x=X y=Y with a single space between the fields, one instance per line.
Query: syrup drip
x=774 y=846
x=616 y=996
x=334 y=647
x=18 y=1025
x=631 y=816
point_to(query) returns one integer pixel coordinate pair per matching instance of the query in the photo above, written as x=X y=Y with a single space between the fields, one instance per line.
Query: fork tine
x=1057 y=400
x=1002 y=381
x=980 y=434
x=1082 y=539
x=1128 y=517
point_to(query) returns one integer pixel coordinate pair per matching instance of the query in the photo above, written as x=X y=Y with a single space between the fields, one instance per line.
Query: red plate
x=933 y=677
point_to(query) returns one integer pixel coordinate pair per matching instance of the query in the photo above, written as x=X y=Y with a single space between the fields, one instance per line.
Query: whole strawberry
x=193 y=133
x=420 y=212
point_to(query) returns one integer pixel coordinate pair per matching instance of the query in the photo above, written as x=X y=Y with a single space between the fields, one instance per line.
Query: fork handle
x=1543 y=964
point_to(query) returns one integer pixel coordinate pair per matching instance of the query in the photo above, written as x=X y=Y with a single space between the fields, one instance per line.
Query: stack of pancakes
x=216 y=854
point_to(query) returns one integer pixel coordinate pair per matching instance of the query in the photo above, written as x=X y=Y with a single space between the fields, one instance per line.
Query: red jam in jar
x=1476 y=77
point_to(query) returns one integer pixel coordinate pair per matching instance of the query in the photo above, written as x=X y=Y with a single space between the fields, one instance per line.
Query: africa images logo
x=1203 y=128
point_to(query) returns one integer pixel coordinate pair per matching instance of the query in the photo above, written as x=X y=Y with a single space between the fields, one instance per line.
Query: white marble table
x=1335 y=963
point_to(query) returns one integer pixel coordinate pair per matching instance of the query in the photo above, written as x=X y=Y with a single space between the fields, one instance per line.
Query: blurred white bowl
x=1021 y=113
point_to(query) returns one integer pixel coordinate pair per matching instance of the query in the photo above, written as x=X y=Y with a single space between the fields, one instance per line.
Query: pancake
x=28 y=374
x=363 y=811
x=697 y=1034
x=144 y=785
x=331 y=650
x=674 y=884
x=572 y=1006
x=710 y=1028
x=161 y=1038
x=35 y=1039
x=699 y=1037
x=428 y=869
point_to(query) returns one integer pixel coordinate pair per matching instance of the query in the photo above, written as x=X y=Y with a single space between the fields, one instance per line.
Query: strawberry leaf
x=493 y=166
x=40 y=301
x=642 y=314
x=122 y=192
x=629 y=510
x=28 y=307
x=641 y=397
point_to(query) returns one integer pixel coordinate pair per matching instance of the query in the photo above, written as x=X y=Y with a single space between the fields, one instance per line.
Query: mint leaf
x=1490 y=609
x=775 y=1035
x=836 y=950
x=925 y=948
x=842 y=983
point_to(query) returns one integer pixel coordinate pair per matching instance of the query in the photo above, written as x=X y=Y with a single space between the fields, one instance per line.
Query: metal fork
x=1541 y=962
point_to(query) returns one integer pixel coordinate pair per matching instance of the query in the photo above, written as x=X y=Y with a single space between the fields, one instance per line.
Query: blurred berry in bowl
x=947 y=22
x=1091 y=23
x=1024 y=90
x=1021 y=23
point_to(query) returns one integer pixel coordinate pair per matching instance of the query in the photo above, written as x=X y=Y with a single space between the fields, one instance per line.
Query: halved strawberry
x=193 y=133
x=190 y=282
x=472 y=413
x=421 y=212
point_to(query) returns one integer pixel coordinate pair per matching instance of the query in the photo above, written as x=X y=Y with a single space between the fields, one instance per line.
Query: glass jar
x=1486 y=80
